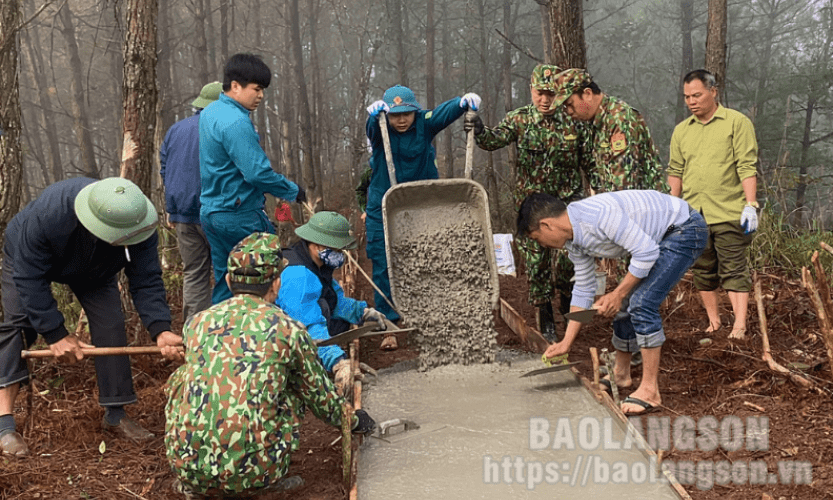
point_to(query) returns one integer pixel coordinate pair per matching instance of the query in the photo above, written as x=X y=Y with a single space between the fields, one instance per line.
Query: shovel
x=357 y=333
x=97 y=351
x=584 y=316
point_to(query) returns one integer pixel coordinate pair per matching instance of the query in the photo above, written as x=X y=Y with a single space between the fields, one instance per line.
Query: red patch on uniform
x=397 y=100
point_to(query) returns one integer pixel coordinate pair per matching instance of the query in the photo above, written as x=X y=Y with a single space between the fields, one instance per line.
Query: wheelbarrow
x=415 y=210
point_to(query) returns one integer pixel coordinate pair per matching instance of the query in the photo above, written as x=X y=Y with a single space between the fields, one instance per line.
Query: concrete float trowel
x=560 y=363
x=398 y=429
x=362 y=331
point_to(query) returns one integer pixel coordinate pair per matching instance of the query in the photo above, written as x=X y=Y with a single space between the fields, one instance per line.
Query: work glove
x=371 y=314
x=302 y=195
x=470 y=101
x=475 y=124
x=374 y=109
x=749 y=219
x=365 y=425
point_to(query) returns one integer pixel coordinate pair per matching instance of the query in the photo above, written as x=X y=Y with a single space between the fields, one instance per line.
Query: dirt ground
x=72 y=459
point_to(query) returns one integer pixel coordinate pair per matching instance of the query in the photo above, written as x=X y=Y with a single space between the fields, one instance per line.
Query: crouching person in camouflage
x=234 y=408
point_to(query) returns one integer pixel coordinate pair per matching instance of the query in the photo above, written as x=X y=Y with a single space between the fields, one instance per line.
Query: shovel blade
x=585 y=316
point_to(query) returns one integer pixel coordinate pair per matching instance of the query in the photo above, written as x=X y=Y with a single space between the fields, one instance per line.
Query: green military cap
x=116 y=211
x=570 y=81
x=329 y=229
x=209 y=93
x=543 y=77
x=257 y=259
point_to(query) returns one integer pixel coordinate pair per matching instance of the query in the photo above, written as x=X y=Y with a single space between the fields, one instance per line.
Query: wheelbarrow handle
x=97 y=351
x=470 y=114
x=383 y=126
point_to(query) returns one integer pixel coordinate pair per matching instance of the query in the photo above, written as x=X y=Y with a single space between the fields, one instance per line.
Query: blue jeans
x=224 y=230
x=641 y=327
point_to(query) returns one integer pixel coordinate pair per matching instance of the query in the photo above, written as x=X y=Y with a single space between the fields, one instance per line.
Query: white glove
x=749 y=219
x=470 y=101
x=374 y=109
x=371 y=314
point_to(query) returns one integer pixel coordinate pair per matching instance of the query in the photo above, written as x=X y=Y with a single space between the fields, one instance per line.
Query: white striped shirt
x=614 y=225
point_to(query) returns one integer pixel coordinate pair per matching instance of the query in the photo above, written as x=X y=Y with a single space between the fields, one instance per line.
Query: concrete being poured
x=486 y=433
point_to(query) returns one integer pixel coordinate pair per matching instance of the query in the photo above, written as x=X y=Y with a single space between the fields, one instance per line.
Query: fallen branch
x=767 y=354
x=823 y=308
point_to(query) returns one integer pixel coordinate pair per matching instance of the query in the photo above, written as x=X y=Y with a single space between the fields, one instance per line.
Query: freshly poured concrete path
x=486 y=411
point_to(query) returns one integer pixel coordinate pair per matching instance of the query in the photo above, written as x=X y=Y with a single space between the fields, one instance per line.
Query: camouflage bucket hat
x=570 y=81
x=329 y=229
x=256 y=260
x=117 y=211
x=543 y=77
x=401 y=99
x=209 y=93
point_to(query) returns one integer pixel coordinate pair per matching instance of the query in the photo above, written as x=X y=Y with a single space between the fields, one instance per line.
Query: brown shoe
x=128 y=429
x=13 y=444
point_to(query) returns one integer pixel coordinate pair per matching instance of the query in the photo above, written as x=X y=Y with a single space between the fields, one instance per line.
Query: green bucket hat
x=570 y=81
x=329 y=229
x=209 y=93
x=543 y=77
x=116 y=211
x=256 y=260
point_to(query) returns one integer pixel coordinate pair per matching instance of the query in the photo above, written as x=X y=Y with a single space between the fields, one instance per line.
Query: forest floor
x=72 y=459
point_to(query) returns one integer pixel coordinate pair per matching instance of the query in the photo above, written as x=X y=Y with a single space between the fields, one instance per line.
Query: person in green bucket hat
x=81 y=232
x=310 y=295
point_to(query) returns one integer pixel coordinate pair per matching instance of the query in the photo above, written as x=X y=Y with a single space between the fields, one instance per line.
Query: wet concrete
x=476 y=441
x=442 y=269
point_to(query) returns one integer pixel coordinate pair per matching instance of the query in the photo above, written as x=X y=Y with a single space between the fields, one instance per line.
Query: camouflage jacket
x=549 y=150
x=234 y=407
x=624 y=155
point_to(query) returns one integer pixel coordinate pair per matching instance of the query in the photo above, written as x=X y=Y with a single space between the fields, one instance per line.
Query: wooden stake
x=822 y=309
x=594 y=356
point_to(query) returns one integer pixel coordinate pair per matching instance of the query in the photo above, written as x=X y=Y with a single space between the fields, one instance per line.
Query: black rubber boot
x=546 y=322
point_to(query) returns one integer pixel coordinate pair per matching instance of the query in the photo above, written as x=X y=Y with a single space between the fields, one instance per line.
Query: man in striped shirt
x=663 y=236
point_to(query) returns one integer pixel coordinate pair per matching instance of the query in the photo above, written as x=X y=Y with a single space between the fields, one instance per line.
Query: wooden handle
x=97 y=351
x=383 y=126
x=469 y=145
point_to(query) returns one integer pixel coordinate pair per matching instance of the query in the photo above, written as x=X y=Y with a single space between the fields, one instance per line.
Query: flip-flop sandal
x=647 y=407
x=389 y=343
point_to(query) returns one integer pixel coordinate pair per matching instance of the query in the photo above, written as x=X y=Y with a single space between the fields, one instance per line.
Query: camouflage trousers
x=547 y=269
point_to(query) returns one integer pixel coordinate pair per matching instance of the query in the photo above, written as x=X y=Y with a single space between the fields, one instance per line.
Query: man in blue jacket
x=310 y=295
x=234 y=170
x=411 y=130
x=81 y=232
x=179 y=157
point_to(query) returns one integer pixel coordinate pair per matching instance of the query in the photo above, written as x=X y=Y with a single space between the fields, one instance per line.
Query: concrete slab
x=484 y=435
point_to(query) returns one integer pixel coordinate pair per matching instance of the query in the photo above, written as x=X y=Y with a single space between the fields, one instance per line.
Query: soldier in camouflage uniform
x=549 y=161
x=622 y=151
x=234 y=408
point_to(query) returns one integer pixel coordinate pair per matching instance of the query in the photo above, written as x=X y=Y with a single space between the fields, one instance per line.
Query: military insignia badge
x=547 y=73
x=618 y=142
x=397 y=100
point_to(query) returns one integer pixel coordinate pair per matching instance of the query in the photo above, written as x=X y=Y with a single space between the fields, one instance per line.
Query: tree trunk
x=260 y=112
x=139 y=92
x=430 y=34
x=11 y=158
x=79 y=107
x=800 y=212
x=686 y=22
x=224 y=31
x=546 y=33
x=396 y=13
x=317 y=119
x=165 y=66
x=39 y=79
x=512 y=151
x=763 y=65
x=306 y=119
x=567 y=28
x=201 y=42
x=448 y=136
x=488 y=112
x=716 y=45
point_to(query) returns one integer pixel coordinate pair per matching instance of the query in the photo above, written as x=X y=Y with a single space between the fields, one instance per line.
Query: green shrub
x=780 y=246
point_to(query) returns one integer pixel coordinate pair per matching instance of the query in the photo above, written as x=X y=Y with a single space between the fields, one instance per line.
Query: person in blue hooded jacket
x=311 y=296
x=411 y=130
